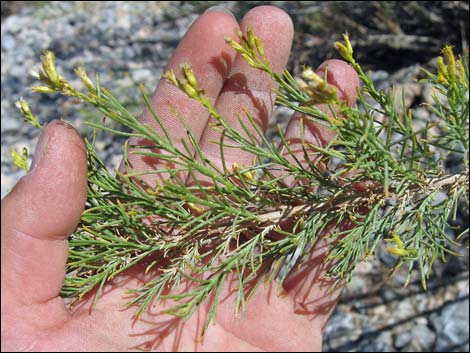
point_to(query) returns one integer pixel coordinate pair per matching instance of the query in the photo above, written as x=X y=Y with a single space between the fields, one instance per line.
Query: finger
x=205 y=50
x=39 y=214
x=311 y=292
x=250 y=90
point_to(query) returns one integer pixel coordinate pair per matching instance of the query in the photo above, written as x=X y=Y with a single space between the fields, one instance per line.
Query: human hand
x=45 y=206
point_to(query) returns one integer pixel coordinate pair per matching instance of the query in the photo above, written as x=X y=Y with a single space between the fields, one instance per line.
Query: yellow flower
x=234 y=45
x=450 y=61
x=195 y=208
x=259 y=47
x=345 y=50
x=48 y=65
x=460 y=71
x=188 y=73
x=43 y=89
x=80 y=71
x=28 y=115
x=247 y=174
x=316 y=87
x=190 y=90
x=399 y=250
x=20 y=161
x=170 y=77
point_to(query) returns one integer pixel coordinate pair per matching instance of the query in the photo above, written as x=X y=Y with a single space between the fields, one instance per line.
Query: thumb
x=39 y=214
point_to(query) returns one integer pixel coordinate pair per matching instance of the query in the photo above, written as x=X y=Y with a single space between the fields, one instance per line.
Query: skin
x=45 y=207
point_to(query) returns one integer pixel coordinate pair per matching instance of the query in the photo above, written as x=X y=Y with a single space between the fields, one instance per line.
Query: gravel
x=450 y=332
x=131 y=42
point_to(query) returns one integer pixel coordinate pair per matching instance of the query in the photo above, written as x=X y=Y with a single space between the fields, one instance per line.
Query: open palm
x=45 y=207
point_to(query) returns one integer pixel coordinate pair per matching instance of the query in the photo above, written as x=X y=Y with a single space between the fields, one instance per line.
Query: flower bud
x=48 y=65
x=195 y=208
x=249 y=59
x=259 y=47
x=170 y=77
x=345 y=50
x=43 y=89
x=235 y=45
x=24 y=107
x=20 y=160
x=397 y=252
x=251 y=39
x=188 y=73
x=460 y=70
x=85 y=79
x=190 y=90
x=28 y=115
x=450 y=60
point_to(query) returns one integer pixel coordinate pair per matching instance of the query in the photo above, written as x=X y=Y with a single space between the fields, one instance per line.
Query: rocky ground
x=131 y=42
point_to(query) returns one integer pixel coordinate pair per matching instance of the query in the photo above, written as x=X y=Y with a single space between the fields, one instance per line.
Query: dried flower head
x=318 y=90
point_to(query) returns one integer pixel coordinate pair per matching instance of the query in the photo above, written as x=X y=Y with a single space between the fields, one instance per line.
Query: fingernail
x=40 y=150
x=219 y=8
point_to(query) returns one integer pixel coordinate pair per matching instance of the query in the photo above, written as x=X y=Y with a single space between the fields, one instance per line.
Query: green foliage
x=385 y=189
